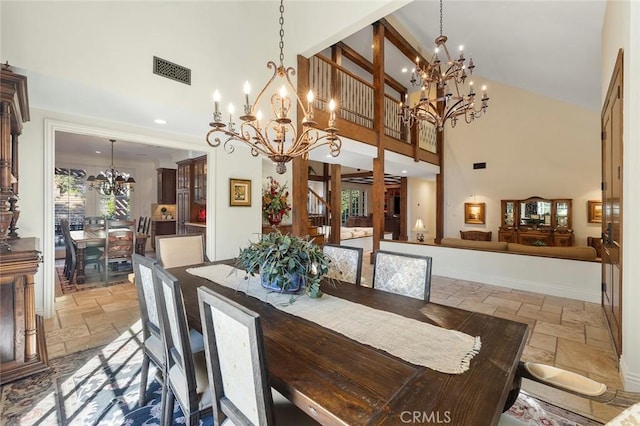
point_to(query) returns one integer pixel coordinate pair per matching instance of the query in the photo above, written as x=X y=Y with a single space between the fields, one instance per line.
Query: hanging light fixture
x=442 y=84
x=278 y=138
x=111 y=181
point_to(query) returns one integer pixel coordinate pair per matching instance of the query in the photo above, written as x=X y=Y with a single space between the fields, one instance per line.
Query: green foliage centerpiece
x=286 y=263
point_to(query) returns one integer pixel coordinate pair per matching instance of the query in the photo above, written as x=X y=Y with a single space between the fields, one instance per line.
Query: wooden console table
x=23 y=349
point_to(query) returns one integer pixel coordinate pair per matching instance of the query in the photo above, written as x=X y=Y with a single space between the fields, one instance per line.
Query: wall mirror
x=535 y=211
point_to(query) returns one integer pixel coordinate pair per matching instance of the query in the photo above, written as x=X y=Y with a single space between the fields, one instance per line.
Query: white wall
x=421 y=203
x=533 y=145
x=621 y=30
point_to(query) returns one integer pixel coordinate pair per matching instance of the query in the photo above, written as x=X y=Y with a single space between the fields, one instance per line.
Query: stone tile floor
x=563 y=332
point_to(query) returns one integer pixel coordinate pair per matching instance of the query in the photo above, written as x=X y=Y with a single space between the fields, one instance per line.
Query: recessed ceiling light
x=329 y=155
x=98 y=152
x=404 y=171
x=160 y=121
x=404 y=69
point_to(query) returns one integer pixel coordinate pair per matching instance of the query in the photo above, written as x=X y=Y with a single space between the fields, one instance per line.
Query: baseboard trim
x=630 y=379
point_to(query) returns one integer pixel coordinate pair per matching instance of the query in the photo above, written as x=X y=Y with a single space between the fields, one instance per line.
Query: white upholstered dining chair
x=152 y=347
x=185 y=373
x=346 y=262
x=238 y=369
x=180 y=250
x=405 y=274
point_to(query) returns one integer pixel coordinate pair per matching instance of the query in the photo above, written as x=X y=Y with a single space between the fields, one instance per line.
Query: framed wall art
x=239 y=192
x=594 y=211
x=474 y=213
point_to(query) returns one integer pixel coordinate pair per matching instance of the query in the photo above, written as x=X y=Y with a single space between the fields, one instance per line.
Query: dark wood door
x=184 y=209
x=612 y=205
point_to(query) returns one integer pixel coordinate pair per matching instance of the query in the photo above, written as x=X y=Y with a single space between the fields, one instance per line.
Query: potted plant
x=285 y=263
x=164 y=212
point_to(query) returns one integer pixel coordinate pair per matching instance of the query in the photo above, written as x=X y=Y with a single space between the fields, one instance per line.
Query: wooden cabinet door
x=612 y=205
x=166 y=186
x=184 y=209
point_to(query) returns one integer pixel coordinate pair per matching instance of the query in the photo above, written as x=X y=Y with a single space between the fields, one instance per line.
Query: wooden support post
x=336 y=203
x=403 y=210
x=299 y=190
x=378 y=127
x=440 y=179
x=300 y=165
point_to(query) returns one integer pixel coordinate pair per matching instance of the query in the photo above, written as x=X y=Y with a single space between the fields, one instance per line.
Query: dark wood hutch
x=22 y=342
x=537 y=221
x=191 y=195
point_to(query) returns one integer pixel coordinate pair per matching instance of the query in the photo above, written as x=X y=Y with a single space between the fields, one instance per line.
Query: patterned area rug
x=92 y=280
x=533 y=411
x=100 y=387
x=95 y=387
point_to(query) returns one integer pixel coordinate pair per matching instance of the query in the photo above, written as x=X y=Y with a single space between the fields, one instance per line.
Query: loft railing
x=356 y=100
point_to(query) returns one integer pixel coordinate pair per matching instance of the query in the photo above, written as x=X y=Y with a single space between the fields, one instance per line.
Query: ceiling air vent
x=170 y=70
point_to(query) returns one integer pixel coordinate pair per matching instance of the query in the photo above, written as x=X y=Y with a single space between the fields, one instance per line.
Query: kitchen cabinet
x=161 y=227
x=167 y=186
x=191 y=193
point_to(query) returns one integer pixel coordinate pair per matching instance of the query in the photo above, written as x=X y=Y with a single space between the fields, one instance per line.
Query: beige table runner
x=446 y=351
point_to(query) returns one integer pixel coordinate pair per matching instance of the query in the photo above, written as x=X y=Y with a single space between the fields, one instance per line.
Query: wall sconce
x=419 y=228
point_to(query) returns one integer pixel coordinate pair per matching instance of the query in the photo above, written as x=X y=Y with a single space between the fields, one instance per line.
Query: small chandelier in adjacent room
x=278 y=138
x=111 y=181
x=442 y=84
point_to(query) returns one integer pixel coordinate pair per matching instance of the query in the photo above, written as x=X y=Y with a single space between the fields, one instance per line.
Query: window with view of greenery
x=69 y=199
x=353 y=203
x=115 y=207
x=72 y=201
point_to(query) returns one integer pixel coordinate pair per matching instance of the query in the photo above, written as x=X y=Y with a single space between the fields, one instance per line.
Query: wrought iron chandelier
x=278 y=139
x=441 y=96
x=111 y=181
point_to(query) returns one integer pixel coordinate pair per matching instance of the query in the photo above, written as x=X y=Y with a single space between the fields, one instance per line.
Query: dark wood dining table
x=83 y=239
x=96 y=238
x=337 y=380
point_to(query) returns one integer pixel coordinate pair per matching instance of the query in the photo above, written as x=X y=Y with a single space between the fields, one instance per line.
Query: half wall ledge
x=570 y=278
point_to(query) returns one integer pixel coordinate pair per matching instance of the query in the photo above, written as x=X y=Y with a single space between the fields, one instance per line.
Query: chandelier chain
x=440 y=17
x=281 y=33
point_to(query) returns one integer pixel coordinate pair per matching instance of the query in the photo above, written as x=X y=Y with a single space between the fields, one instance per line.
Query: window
x=69 y=199
x=354 y=203
x=115 y=207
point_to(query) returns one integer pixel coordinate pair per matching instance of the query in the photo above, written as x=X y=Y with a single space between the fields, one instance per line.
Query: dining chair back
x=236 y=361
x=186 y=378
x=152 y=339
x=405 y=274
x=346 y=262
x=143 y=225
x=93 y=223
x=70 y=250
x=237 y=367
x=180 y=250
x=119 y=247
